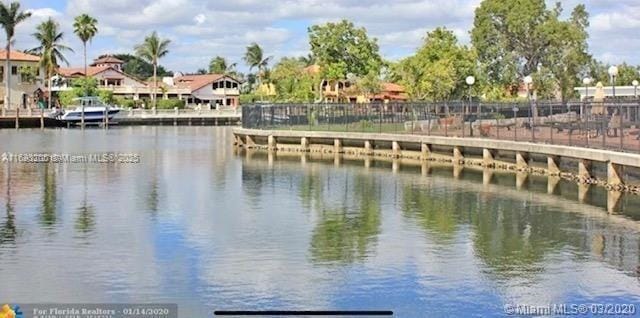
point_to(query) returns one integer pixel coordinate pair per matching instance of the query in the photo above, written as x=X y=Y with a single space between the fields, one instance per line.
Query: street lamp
x=470 y=81
x=635 y=95
x=586 y=81
x=527 y=81
x=613 y=72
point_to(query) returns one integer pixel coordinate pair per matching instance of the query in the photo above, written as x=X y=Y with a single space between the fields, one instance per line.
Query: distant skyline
x=200 y=30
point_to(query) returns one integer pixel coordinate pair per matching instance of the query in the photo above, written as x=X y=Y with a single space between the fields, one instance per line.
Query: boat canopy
x=89 y=101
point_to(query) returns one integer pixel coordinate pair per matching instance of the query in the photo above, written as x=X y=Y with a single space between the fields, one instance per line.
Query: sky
x=200 y=30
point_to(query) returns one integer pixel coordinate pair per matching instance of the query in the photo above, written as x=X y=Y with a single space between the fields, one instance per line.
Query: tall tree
x=438 y=69
x=567 y=54
x=10 y=17
x=152 y=49
x=514 y=38
x=50 y=50
x=341 y=49
x=254 y=57
x=292 y=82
x=85 y=27
x=219 y=65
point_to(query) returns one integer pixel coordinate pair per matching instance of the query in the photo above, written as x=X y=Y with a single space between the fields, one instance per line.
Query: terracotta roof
x=79 y=71
x=92 y=71
x=195 y=82
x=312 y=69
x=392 y=87
x=107 y=59
x=19 y=56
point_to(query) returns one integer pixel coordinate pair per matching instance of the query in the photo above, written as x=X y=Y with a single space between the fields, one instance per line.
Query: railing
x=23 y=112
x=177 y=113
x=611 y=125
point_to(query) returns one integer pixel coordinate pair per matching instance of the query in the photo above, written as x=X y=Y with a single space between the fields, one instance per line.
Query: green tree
x=627 y=74
x=567 y=53
x=254 y=57
x=341 y=48
x=369 y=84
x=50 y=50
x=10 y=17
x=152 y=49
x=219 y=65
x=510 y=38
x=293 y=83
x=438 y=69
x=514 y=38
x=85 y=27
x=137 y=67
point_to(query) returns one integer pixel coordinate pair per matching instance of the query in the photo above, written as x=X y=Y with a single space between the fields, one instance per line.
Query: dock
x=32 y=118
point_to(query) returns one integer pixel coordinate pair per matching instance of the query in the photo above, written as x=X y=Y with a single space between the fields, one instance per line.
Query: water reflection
x=48 y=215
x=85 y=221
x=344 y=233
x=9 y=231
x=290 y=232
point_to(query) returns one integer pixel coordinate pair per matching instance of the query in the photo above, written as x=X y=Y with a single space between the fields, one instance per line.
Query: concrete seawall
x=455 y=150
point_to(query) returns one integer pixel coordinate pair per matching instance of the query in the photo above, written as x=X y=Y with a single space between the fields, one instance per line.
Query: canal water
x=209 y=228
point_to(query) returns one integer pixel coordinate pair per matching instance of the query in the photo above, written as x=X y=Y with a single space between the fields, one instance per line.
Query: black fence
x=610 y=125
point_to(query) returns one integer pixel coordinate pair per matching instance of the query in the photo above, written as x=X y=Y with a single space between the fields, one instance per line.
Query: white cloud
x=200 y=30
x=200 y=18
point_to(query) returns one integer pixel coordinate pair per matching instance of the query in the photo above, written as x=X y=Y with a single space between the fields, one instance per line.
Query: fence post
x=17 y=117
x=603 y=126
x=621 y=118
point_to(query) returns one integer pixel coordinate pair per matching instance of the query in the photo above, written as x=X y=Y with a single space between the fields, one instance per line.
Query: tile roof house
x=343 y=90
x=207 y=89
x=25 y=88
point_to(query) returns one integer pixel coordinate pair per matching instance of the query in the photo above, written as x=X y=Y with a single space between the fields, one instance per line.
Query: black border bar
x=303 y=313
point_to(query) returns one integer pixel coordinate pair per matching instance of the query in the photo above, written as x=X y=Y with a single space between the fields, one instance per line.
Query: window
x=228 y=84
x=14 y=70
x=1 y=74
x=215 y=85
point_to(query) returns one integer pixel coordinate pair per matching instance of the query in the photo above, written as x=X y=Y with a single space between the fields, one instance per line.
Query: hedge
x=170 y=104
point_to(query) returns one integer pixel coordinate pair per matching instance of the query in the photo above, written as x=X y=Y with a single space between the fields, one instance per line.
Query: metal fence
x=610 y=125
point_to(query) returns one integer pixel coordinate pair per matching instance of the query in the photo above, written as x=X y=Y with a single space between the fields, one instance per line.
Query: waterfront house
x=208 y=90
x=340 y=91
x=27 y=78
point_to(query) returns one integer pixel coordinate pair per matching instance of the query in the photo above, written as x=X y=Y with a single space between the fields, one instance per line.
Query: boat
x=94 y=111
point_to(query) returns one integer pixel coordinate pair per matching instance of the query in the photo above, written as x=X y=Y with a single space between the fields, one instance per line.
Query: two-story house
x=27 y=78
x=205 y=90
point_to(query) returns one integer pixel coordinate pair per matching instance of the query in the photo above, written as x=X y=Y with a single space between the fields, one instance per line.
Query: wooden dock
x=34 y=119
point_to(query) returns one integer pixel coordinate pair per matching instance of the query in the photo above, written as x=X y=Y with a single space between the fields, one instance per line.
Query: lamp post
x=613 y=72
x=586 y=81
x=470 y=81
x=527 y=81
x=635 y=95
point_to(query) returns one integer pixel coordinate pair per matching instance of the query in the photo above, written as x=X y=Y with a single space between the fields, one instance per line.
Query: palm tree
x=50 y=50
x=85 y=27
x=254 y=57
x=152 y=49
x=10 y=17
x=219 y=65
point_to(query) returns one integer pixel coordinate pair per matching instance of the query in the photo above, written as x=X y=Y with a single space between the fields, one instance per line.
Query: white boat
x=94 y=111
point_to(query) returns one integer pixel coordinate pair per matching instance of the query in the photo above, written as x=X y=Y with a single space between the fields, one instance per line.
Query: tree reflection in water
x=343 y=234
x=8 y=233
x=48 y=215
x=85 y=221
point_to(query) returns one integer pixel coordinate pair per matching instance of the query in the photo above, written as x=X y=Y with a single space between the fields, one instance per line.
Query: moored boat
x=94 y=111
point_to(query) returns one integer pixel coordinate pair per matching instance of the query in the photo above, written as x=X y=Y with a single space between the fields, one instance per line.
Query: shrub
x=170 y=104
x=247 y=99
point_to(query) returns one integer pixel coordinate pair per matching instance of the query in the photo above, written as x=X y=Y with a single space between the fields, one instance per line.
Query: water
x=199 y=225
